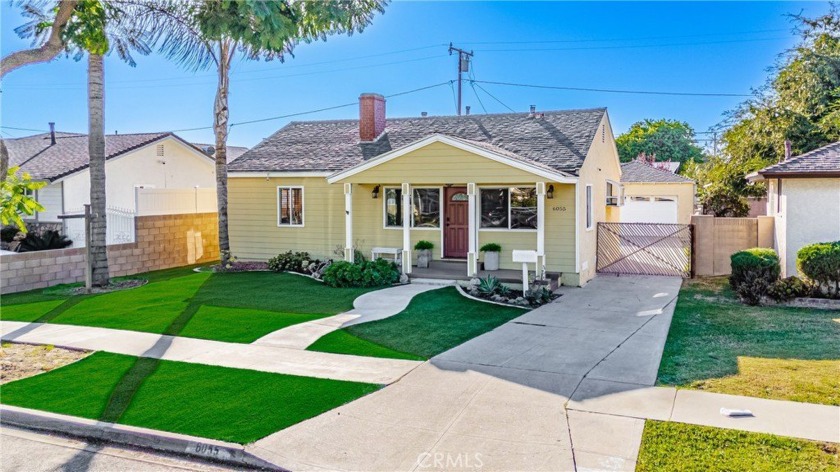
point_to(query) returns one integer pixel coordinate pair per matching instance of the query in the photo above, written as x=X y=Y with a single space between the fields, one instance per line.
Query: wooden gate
x=645 y=249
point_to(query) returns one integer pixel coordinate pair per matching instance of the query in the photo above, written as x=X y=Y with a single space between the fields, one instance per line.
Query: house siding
x=51 y=199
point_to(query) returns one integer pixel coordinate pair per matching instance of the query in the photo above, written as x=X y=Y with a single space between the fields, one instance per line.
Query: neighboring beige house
x=655 y=195
x=803 y=196
x=530 y=181
x=149 y=160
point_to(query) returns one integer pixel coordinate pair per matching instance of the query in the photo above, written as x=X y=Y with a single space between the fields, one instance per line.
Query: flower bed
x=491 y=289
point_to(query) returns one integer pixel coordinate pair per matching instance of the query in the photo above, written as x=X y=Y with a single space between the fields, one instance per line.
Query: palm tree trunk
x=96 y=150
x=220 y=128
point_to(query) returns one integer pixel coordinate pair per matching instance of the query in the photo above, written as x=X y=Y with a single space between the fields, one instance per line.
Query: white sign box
x=529 y=257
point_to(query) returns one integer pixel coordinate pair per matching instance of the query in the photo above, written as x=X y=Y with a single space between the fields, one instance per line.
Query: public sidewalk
x=200 y=351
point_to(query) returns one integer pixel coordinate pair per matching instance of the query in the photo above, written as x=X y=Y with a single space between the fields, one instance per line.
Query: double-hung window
x=425 y=208
x=289 y=206
x=509 y=208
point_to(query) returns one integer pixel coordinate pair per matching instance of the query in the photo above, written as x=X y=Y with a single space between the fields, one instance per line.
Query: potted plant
x=491 y=256
x=424 y=253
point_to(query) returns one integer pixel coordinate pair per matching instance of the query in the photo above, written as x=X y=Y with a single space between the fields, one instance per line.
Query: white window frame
x=400 y=227
x=302 y=206
x=589 y=211
x=617 y=196
x=508 y=229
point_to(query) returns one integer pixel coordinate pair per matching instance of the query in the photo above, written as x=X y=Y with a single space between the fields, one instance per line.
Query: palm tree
x=95 y=28
x=201 y=33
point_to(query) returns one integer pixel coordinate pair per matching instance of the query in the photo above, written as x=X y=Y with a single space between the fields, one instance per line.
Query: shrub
x=789 y=288
x=820 y=263
x=489 y=286
x=753 y=272
x=45 y=241
x=491 y=247
x=539 y=296
x=300 y=262
x=423 y=246
x=8 y=233
x=376 y=273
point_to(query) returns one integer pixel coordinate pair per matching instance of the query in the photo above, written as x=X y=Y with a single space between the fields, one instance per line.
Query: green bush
x=299 y=262
x=753 y=272
x=788 y=288
x=820 y=263
x=423 y=245
x=376 y=273
x=8 y=233
x=491 y=247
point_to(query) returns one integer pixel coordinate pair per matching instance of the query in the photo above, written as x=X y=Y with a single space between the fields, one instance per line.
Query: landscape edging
x=180 y=444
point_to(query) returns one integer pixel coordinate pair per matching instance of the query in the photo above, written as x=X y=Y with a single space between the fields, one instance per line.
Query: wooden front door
x=457 y=225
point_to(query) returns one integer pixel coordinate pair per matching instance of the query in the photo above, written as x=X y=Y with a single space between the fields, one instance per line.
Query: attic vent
x=160 y=150
x=603 y=133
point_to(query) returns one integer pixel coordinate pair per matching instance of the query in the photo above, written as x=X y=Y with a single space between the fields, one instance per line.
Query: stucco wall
x=184 y=168
x=683 y=191
x=601 y=164
x=810 y=214
x=163 y=242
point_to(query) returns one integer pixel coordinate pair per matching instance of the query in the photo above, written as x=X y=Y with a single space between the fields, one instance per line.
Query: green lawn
x=434 y=322
x=213 y=402
x=720 y=345
x=683 y=447
x=236 y=307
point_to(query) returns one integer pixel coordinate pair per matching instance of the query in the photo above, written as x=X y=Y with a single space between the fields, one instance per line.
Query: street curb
x=180 y=444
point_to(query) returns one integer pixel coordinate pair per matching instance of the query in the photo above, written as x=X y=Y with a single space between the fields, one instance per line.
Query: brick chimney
x=371 y=116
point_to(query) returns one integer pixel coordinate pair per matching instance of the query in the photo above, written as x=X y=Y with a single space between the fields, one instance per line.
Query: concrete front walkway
x=200 y=351
x=497 y=402
x=371 y=306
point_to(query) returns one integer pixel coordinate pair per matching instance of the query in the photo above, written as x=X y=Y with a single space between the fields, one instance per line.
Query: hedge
x=820 y=264
x=753 y=272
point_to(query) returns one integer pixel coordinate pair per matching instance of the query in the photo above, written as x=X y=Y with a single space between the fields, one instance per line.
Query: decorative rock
x=475 y=281
x=403 y=279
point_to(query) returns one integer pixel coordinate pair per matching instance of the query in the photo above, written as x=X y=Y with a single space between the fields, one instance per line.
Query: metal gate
x=644 y=248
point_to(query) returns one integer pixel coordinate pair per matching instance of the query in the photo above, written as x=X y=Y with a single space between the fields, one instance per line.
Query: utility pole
x=463 y=66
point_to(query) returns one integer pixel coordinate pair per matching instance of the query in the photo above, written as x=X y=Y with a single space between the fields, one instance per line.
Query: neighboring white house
x=148 y=160
x=804 y=198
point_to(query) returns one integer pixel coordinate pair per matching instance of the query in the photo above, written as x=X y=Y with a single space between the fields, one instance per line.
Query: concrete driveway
x=499 y=401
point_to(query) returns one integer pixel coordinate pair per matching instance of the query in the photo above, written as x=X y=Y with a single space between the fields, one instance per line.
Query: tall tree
x=96 y=28
x=204 y=33
x=670 y=140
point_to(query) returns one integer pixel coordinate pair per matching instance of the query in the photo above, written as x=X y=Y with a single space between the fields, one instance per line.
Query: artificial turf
x=434 y=321
x=214 y=402
x=720 y=345
x=683 y=447
x=234 y=307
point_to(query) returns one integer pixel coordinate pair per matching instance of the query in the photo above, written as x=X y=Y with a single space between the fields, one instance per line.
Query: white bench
x=394 y=252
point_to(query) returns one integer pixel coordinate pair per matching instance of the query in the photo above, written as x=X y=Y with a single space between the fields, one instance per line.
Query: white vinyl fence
x=120 y=227
x=169 y=201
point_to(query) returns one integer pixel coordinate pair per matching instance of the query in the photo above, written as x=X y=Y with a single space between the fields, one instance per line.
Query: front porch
x=457 y=270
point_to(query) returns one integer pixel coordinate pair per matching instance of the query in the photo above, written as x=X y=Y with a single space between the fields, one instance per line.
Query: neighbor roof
x=233 y=152
x=43 y=161
x=558 y=140
x=640 y=172
x=821 y=162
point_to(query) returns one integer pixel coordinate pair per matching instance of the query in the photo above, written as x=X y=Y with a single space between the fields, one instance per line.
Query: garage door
x=641 y=209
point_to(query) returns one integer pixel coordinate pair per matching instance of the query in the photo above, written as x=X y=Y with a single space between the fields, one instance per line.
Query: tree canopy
x=668 y=139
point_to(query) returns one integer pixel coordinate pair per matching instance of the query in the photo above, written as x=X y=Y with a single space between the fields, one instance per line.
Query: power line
x=472 y=84
x=475 y=82
x=636 y=46
x=648 y=38
x=638 y=92
x=24 y=129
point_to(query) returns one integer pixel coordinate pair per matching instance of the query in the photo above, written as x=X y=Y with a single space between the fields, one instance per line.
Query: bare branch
x=51 y=48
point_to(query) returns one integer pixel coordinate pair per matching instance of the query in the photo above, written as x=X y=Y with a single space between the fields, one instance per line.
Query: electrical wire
x=638 y=92
x=602 y=40
x=475 y=82
x=636 y=46
x=24 y=129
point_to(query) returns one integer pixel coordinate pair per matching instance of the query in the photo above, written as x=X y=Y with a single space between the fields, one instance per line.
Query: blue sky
x=670 y=47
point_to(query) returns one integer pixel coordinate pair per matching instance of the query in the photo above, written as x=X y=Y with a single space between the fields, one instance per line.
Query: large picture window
x=509 y=208
x=289 y=206
x=425 y=205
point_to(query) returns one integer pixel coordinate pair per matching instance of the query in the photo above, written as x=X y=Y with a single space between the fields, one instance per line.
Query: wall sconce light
x=550 y=192
x=375 y=193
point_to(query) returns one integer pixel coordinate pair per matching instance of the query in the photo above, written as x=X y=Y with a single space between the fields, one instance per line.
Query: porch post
x=540 y=230
x=406 y=253
x=472 y=254
x=348 y=222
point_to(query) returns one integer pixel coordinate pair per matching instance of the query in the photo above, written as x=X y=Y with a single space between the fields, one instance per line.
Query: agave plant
x=489 y=286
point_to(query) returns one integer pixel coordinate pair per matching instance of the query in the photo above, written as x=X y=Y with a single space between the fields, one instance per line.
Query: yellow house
x=527 y=181
x=655 y=195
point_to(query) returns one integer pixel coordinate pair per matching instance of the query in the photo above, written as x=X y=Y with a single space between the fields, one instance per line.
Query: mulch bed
x=112 y=287
x=18 y=361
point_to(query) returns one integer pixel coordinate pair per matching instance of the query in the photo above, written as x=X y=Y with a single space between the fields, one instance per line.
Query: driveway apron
x=498 y=402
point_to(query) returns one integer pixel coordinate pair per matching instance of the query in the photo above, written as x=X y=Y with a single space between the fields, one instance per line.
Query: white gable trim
x=553 y=176
x=272 y=174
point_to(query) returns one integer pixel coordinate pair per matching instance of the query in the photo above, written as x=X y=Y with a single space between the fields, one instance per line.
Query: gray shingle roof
x=35 y=154
x=639 y=172
x=233 y=152
x=558 y=140
x=820 y=161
